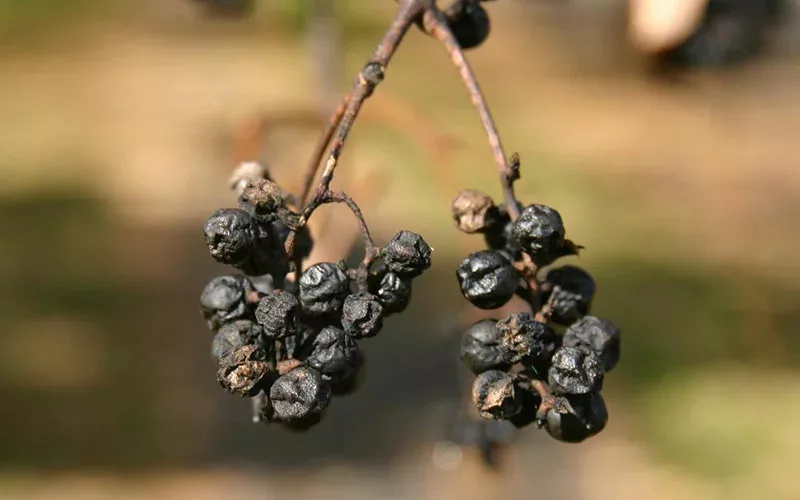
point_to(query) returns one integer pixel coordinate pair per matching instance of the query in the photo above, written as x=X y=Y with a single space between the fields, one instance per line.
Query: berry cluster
x=291 y=344
x=528 y=372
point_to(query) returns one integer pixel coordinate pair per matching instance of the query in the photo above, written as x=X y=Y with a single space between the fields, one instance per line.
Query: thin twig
x=321 y=147
x=366 y=81
x=371 y=251
x=549 y=400
x=343 y=119
x=436 y=24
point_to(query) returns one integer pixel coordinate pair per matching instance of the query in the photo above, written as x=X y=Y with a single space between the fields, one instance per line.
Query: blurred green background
x=120 y=123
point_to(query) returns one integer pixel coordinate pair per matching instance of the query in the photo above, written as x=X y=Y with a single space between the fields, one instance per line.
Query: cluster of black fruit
x=291 y=345
x=546 y=367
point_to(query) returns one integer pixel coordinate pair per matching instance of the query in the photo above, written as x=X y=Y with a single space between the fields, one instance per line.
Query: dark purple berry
x=230 y=235
x=487 y=279
x=575 y=371
x=362 y=315
x=540 y=231
x=407 y=254
x=530 y=401
x=480 y=347
x=571 y=291
x=394 y=293
x=335 y=354
x=586 y=416
x=469 y=22
x=224 y=299
x=241 y=371
x=232 y=336
x=474 y=211
x=323 y=288
x=598 y=335
x=354 y=381
x=277 y=313
x=498 y=236
x=495 y=395
x=522 y=338
x=299 y=394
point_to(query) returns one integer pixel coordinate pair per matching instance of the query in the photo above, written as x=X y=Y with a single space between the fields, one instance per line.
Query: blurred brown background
x=116 y=139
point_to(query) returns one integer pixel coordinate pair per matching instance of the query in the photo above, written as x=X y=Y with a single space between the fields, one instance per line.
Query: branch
x=321 y=147
x=435 y=23
x=366 y=81
x=343 y=119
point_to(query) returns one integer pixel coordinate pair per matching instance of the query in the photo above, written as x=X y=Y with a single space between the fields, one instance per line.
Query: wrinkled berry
x=598 y=335
x=407 y=254
x=277 y=314
x=499 y=235
x=586 y=417
x=474 y=211
x=540 y=230
x=230 y=235
x=323 y=288
x=362 y=315
x=495 y=395
x=242 y=370
x=487 y=279
x=530 y=402
x=354 y=381
x=571 y=293
x=299 y=394
x=335 y=354
x=575 y=371
x=233 y=336
x=394 y=293
x=524 y=338
x=469 y=22
x=480 y=349
x=224 y=299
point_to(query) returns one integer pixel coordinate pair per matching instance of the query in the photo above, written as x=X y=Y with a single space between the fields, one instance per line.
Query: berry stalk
x=435 y=23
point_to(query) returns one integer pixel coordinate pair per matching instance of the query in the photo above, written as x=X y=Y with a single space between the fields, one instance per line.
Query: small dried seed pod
x=245 y=173
x=277 y=313
x=224 y=299
x=487 y=279
x=540 y=231
x=323 y=288
x=335 y=354
x=233 y=336
x=598 y=335
x=586 y=417
x=524 y=338
x=394 y=293
x=299 y=394
x=480 y=347
x=575 y=371
x=362 y=315
x=262 y=198
x=407 y=254
x=570 y=290
x=241 y=371
x=230 y=235
x=495 y=395
x=474 y=211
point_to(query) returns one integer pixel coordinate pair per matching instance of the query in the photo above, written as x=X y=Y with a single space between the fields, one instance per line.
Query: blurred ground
x=116 y=143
